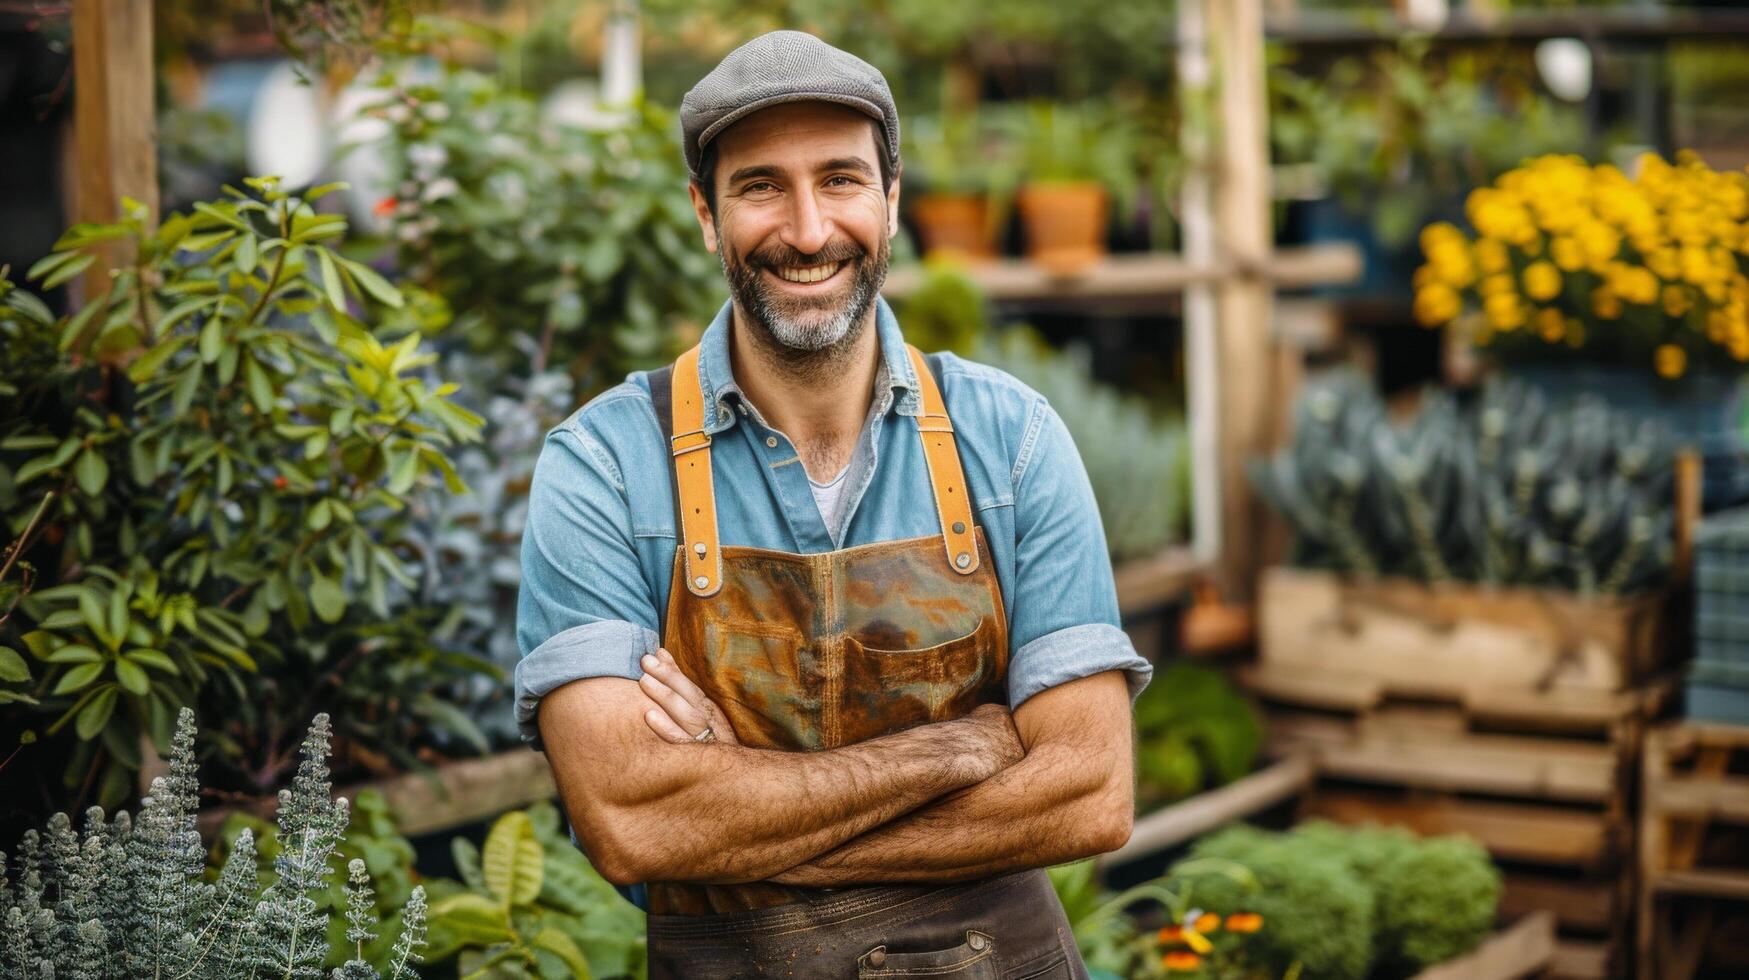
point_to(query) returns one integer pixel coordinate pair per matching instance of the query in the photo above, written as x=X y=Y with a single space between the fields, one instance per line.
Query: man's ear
x=707 y=225
x=893 y=208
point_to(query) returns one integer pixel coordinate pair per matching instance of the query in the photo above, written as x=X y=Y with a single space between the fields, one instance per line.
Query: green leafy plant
x=532 y=906
x=1115 y=945
x=203 y=473
x=958 y=153
x=126 y=899
x=1193 y=729
x=1352 y=902
x=1508 y=492
x=1063 y=142
x=556 y=245
x=1401 y=137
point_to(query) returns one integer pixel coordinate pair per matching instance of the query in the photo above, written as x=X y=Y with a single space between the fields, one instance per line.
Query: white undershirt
x=831 y=498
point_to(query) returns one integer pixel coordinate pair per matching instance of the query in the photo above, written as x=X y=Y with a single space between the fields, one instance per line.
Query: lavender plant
x=126 y=898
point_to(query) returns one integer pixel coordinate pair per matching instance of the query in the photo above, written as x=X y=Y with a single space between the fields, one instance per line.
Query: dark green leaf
x=68 y=270
x=12 y=667
x=77 y=678
x=132 y=677
x=92 y=472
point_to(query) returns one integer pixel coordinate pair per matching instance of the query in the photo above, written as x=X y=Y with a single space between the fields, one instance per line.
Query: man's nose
x=808 y=229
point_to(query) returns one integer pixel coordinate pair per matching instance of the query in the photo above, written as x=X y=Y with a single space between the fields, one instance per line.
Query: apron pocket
x=886 y=690
x=974 y=959
x=756 y=673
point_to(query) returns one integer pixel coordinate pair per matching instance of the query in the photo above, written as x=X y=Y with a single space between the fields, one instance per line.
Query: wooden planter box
x=1520 y=951
x=1420 y=641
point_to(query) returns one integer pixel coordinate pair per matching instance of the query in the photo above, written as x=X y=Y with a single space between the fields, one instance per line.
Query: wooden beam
x=1183 y=822
x=1249 y=403
x=1140 y=275
x=114 y=126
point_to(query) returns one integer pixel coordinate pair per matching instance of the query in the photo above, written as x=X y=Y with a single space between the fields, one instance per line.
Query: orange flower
x=1181 y=961
x=1171 y=934
x=384 y=207
x=1244 y=922
x=1209 y=922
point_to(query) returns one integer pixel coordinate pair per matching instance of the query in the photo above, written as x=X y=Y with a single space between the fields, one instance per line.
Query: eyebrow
x=856 y=164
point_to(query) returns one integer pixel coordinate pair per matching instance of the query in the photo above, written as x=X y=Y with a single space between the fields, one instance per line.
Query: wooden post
x=1202 y=365
x=115 y=130
x=1247 y=397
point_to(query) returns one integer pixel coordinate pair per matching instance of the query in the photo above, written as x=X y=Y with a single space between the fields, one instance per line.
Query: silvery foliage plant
x=469 y=547
x=125 y=898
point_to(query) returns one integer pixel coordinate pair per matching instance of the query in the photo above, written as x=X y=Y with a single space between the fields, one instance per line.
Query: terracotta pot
x=1065 y=224
x=954 y=225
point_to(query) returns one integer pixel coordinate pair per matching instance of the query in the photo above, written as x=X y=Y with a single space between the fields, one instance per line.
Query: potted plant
x=966 y=178
x=1584 y=278
x=1076 y=160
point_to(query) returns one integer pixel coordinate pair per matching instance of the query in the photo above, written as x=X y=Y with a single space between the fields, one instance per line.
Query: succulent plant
x=1507 y=490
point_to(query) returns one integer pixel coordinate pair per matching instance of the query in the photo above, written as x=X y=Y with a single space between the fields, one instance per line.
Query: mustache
x=780 y=255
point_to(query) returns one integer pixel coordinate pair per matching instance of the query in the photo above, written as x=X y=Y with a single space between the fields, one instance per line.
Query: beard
x=806 y=327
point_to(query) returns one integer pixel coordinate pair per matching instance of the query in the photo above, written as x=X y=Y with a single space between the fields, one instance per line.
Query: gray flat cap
x=779 y=67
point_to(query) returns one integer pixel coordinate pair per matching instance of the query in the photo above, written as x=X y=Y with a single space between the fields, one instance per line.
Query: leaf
x=77 y=678
x=49 y=263
x=562 y=946
x=156 y=659
x=511 y=860
x=374 y=284
x=260 y=388
x=225 y=213
x=467 y=862
x=92 y=472
x=186 y=388
x=475 y=918
x=405 y=472
x=132 y=677
x=95 y=713
x=68 y=270
x=74 y=653
x=319 y=191
x=331 y=281
x=153 y=359
x=327 y=598
x=202 y=242
x=211 y=340
x=12 y=667
x=246 y=255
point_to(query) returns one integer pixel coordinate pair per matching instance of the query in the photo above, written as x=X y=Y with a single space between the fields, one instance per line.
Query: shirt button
x=771 y=441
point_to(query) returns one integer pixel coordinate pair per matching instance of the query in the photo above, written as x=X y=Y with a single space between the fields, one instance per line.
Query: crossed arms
x=955 y=800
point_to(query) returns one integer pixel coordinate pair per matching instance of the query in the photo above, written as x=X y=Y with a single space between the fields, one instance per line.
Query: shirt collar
x=719 y=379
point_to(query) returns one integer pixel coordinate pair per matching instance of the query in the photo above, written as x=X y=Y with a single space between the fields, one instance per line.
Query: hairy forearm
x=1030 y=815
x=1070 y=798
x=726 y=813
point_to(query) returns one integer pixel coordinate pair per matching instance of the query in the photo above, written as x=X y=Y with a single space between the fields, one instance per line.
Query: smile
x=807 y=273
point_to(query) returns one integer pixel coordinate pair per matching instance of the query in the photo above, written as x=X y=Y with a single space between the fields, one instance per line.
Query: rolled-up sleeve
x=584 y=609
x=1063 y=617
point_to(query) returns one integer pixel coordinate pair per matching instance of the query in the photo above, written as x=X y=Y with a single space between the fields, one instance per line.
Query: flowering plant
x=1569 y=256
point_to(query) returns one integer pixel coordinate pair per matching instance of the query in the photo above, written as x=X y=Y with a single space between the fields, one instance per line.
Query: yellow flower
x=1503 y=311
x=1551 y=325
x=1542 y=281
x=1491 y=255
x=1665 y=262
x=1436 y=304
x=1676 y=301
x=1637 y=285
x=1498 y=284
x=1567 y=253
x=1605 y=303
x=1451 y=264
x=1670 y=360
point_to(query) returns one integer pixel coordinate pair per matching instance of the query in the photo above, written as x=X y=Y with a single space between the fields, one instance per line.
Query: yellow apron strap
x=952 y=503
x=693 y=487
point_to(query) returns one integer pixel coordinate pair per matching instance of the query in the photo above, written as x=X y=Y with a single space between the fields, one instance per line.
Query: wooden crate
x=1544 y=781
x=1693 y=843
x=1442 y=642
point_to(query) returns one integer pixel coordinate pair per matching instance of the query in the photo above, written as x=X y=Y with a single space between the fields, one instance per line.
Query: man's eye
x=840 y=180
x=760 y=187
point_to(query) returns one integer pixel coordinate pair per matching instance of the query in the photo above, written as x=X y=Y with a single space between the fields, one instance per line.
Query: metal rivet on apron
x=959 y=527
x=771 y=441
x=977 y=941
x=702 y=581
x=699 y=549
x=877 y=957
x=963 y=560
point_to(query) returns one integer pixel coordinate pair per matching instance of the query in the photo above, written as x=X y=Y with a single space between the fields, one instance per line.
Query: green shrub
x=1193 y=730
x=1317 y=912
x=204 y=474
x=125 y=898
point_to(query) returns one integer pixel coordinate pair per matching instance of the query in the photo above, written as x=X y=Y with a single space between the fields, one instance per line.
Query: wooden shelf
x=1186 y=820
x=1518 y=951
x=1140 y=276
x=1622 y=24
x=1712 y=884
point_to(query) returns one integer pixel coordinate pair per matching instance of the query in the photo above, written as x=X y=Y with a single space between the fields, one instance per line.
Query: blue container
x=1705 y=410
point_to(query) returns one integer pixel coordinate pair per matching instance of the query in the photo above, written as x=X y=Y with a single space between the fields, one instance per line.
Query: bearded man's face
x=802 y=223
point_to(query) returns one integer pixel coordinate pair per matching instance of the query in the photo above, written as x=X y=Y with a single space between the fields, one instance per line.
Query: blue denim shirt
x=598 y=546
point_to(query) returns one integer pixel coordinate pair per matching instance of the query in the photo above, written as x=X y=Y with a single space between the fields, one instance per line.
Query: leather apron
x=809 y=652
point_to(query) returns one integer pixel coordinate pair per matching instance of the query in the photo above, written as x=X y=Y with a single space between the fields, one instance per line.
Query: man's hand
x=680 y=711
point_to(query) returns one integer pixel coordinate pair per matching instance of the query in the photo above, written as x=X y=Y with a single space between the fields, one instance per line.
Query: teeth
x=809 y=273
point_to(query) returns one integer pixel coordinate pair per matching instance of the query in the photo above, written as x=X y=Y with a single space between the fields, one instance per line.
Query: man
x=780 y=598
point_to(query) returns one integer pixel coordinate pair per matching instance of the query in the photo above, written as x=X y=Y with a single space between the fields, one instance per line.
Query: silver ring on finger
x=705 y=736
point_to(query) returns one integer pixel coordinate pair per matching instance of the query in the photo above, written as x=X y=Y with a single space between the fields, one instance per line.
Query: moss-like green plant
x=1193 y=729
